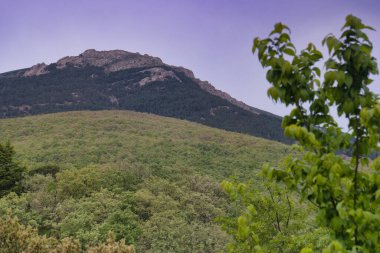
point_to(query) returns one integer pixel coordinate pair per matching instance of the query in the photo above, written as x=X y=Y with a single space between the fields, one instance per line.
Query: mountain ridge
x=134 y=73
x=107 y=59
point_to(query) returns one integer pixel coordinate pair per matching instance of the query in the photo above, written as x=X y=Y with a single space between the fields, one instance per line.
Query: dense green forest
x=152 y=181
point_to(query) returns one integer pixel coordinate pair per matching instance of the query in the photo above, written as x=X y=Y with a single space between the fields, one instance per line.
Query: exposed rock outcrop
x=36 y=70
x=158 y=74
x=111 y=61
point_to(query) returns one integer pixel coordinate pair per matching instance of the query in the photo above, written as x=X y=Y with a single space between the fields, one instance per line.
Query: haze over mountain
x=116 y=79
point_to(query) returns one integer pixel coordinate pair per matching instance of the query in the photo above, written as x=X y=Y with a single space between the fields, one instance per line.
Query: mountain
x=116 y=79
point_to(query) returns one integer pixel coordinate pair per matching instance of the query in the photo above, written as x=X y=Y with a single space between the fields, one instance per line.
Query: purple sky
x=213 y=38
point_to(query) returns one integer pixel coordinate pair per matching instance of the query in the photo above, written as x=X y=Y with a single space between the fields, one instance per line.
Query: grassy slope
x=78 y=139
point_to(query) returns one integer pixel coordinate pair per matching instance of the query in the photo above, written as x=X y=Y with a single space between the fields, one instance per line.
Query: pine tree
x=11 y=173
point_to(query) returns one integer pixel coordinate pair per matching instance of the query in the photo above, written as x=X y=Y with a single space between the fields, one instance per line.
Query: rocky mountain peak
x=118 y=79
x=111 y=61
x=117 y=60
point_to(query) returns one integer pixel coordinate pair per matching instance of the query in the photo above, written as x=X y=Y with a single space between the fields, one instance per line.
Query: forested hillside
x=153 y=181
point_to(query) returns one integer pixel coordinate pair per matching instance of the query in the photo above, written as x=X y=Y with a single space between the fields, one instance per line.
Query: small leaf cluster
x=243 y=228
x=268 y=220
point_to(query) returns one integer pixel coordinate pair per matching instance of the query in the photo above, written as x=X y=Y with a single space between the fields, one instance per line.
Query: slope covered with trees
x=153 y=181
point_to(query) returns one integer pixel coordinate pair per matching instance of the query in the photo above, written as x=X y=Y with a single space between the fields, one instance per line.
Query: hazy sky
x=213 y=38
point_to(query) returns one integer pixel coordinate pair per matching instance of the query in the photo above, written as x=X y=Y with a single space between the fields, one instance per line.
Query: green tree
x=10 y=172
x=345 y=191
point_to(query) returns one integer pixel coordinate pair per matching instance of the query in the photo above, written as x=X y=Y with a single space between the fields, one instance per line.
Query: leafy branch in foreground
x=346 y=191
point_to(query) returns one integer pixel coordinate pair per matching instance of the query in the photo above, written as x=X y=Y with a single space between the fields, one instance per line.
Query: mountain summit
x=110 y=61
x=118 y=60
x=116 y=79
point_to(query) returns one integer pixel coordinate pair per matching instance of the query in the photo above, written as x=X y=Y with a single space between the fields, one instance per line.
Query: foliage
x=144 y=177
x=112 y=246
x=269 y=221
x=169 y=232
x=345 y=191
x=15 y=237
x=10 y=172
x=179 y=220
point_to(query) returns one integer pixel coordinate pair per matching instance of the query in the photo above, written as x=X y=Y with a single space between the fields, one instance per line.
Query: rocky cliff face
x=118 y=60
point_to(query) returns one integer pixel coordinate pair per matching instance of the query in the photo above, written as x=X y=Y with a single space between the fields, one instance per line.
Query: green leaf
x=347 y=54
x=262 y=50
x=348 y=80
x=330 y=41
x=289 y=44
x=278 y=28
x=340 y=77
x=273 y=93
x=331 y=64
x=316 y=55
x=284 y=37
x=256 y=43
x=289 y=51
x=330 y=77
x=317 y=71
x=286 y=68
x=366 y=49
x=304 y=95
x=348 y=107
